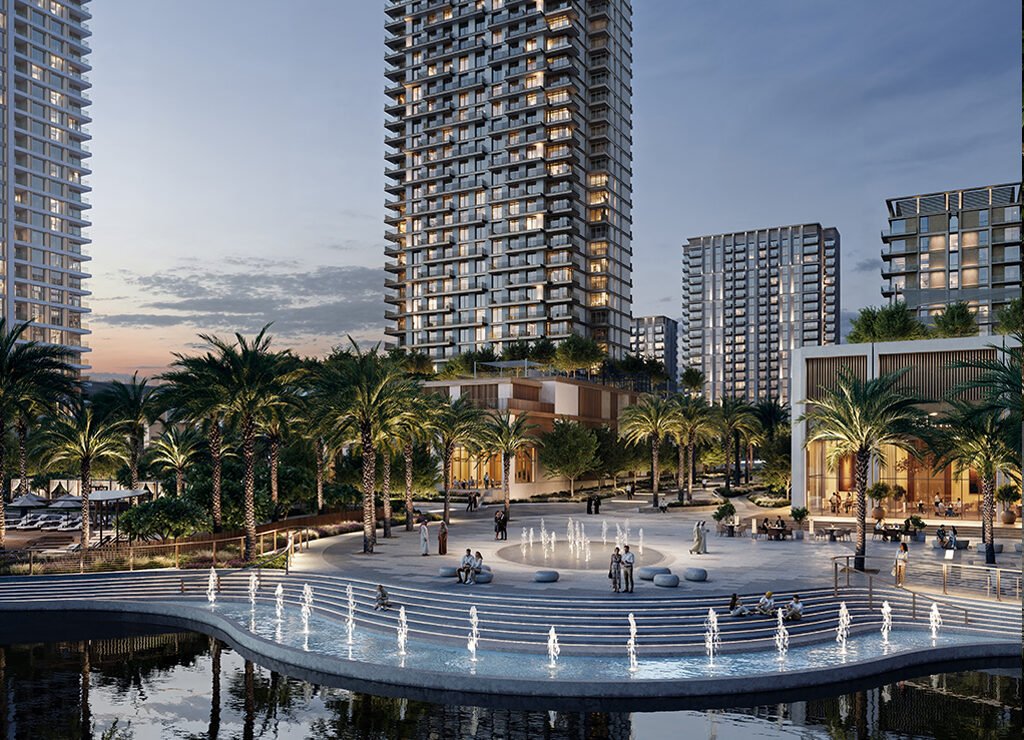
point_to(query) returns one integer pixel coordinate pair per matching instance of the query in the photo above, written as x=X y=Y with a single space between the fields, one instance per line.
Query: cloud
x=321 y=303
x=869 y=264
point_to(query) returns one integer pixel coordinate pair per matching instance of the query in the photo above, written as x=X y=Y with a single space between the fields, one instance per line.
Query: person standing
x=442 y=538
x=628 y=561
x=697 y=545
x=899 y=567
x=424 y=538
x=504 y=526
x=615 y=571
x=499 y=515
x=703 y=538
x=597 y=504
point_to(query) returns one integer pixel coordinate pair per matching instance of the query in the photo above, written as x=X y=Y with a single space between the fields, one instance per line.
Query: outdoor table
x=775 y=533
x=832 y=533
x=730 y=530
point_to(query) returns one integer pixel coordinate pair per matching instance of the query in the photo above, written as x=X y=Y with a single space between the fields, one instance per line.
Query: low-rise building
x=929 y=374
x=544 y=400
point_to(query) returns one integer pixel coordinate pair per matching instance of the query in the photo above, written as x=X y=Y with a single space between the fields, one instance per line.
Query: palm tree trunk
x=861 y=474
x=22 y=425
x=447 y=480
x=318 y=454
x=275 y=460
x=179 y=481
x=369 y=479
x=85 y=477
x=506 y=488
x=680 y=471
x=728 y=471
x=655 y=473
x=249 y=485
x=214 y=728
x=407 y=452
x=86 y=716
x=988 y=509
x=249 y=702
x=689 y=472
x=214 y=438
x=750 y=463
x=3 y=485
x=386 y=490
x=736 y=452
x=135 y=454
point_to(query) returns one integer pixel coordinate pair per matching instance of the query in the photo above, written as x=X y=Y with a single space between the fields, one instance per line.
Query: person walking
x=628 y=560
x=703 y=538
x=615 y=571
x=899 y=567
x=424 y=538
x=697 y=545
x=442 y=538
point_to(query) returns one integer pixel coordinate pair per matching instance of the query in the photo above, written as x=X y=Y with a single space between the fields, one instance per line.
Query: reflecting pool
x=149 y=683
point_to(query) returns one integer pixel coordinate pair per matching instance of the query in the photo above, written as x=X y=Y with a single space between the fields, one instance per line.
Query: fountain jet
x=350 y=621
x=843 y=628
x=553 y=649
x=279 y=601
x=254 y=586
x=781 y=636
x=403 y=631
x=886 y=621
x=474 y=633
x=934 y=620
x=211 y=587
x=307 y=606
x=631 y=645
x=712 y=637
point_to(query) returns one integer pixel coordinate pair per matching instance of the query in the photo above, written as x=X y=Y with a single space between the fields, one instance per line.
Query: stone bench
x=484 y=576
x=997 y=547
x=666 y=580
x=648 y=572
x=695 y=574
x=960 y=545
x=545 y=576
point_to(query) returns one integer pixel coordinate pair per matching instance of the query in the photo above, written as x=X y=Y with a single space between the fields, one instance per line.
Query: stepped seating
x=595 y=624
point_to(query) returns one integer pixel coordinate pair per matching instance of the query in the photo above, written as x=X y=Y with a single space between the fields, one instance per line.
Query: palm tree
x=771 y=430
x=973 y=438
x=735 y=419
x=650 y=420
x=175 y=450
x=196 y=392
x=859 y=418
x=77 y=437
x=693 y=380
x=256 y=380
x=956 y=320
x=507 y=434
x=135 y=403
x=696 y=426
x=358 y=394
x=31 y=375
x=458 y=422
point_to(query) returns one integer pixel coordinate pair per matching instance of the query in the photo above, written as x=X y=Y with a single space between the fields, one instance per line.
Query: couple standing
x=621 y=570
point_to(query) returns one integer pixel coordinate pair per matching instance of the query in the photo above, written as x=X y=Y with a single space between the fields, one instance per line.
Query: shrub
x=879 y=492
x=724 y=511
x=1007 y=494
x=799 y=514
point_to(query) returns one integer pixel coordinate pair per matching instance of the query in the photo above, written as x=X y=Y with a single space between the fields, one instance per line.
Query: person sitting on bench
x=794 y=609
x=465 y=569
x=766 y=605
x=383 y=600
x=736 y=608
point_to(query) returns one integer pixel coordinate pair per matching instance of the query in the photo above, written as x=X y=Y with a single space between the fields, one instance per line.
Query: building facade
x=751 y=298
x=543 y=400
x=656 y=338
x=929 y=375
x=957 y=245
x=44 y=164
x=508 y=173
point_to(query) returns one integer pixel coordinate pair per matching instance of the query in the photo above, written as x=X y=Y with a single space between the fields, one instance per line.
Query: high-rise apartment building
x=750 y=298
x=43 y=151
x=509 y=180
x=656 y=338
x=957 y=245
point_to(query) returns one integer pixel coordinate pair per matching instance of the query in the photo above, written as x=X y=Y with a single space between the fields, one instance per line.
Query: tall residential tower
x=750 y=298
x=656 y=338
x=509 y=172
x=957 y=245
x=43 y=163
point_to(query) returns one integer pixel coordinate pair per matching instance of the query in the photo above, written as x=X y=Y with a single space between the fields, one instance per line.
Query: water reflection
x=185 y=685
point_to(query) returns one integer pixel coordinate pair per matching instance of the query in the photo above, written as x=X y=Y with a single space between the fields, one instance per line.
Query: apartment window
x=954 y=279
x=983 y=218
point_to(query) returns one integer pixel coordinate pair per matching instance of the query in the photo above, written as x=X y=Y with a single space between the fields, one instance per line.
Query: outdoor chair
x=720 y=528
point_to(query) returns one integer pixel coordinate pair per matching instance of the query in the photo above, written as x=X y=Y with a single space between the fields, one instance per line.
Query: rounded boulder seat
x=485 y=567
x=447 y=571
x=695 y=574
x=1017 y=547
x=545 y=576
x=981 y=547
x=647 y=572
x=666 y=580
x=484 y=576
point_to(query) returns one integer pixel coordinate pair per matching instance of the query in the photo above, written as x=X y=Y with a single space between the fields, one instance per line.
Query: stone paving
x=740 y=564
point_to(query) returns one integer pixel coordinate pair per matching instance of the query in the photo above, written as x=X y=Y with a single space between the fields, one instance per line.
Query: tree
x=890 y=323
x=137 y=404
x=696 y=426
x=859 y=418
x=577 y=353
x=972 y=438
x=78 y=438
x=256 y=381
x=165 y=517
x=1010 y=318
x=507 y=434
x=650 y=420
x=175 y=450
x=414 y=428
x=956 y=320
x=360 y=394
x=457 y=423
x=516 y=350
x=569 y=450
x=613 y=457
x=542 y=351
x=693 y=380
x=734 y=418
x=31 y=374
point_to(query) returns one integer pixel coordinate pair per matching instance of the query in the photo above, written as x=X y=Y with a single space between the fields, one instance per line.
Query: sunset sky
x=238 y=149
